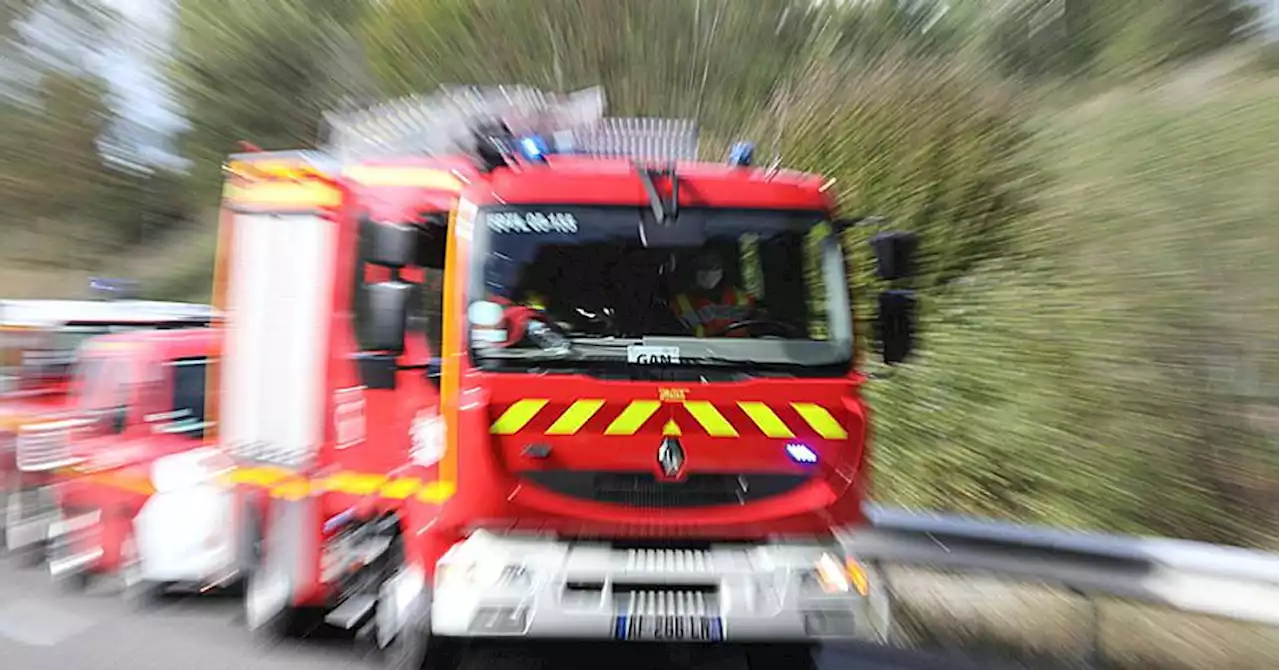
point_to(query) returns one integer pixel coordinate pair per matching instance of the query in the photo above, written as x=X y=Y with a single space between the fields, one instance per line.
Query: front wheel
x=414 y=647
x=800 y=656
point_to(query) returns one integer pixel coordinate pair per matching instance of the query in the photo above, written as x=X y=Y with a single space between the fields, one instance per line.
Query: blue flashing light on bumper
x=801 y=453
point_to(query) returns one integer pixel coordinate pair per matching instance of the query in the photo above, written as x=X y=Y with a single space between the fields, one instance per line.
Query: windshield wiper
x=560 y=347
x=690 y=361
x=547 y=338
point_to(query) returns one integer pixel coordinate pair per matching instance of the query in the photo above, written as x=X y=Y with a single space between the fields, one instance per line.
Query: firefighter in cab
x=712 y=303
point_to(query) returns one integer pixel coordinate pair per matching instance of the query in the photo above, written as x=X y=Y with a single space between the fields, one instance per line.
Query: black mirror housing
x=435 y=219
x=391 y=245
x=387 y=318
x=896 y=325
x=895 y=254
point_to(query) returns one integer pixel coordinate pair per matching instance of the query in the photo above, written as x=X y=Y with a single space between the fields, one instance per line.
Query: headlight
x=480 y=574
x=188 y=469
x=832 y=576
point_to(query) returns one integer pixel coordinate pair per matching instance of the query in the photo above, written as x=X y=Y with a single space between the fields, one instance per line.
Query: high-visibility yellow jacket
x=708 y=316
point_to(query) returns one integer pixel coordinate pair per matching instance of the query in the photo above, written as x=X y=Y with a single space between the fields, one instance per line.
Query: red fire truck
x=146 y=501
x=39 y=340
x=564 y=382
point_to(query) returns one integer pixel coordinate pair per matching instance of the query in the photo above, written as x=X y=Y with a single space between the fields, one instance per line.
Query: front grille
x=639 y=489
x=42 y=448
x=668 y=560
x=660 y=602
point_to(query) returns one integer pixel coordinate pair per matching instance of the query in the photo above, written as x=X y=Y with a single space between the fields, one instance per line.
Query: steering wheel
x=760 y=328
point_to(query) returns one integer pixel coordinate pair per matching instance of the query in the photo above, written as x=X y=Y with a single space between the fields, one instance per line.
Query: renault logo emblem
x=671 y=457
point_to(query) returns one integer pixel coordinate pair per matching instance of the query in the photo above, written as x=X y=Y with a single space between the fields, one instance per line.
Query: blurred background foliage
x=1094 y=182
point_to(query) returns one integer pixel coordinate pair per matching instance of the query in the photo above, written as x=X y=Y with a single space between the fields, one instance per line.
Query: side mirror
x=391 y=245
x=896 y=325
x=846 y=223
x=436 y=220
x=895 y=254
x=386 y=322
x=119 y=419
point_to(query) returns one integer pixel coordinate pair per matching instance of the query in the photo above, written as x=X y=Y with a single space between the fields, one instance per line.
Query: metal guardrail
x=1227 y=582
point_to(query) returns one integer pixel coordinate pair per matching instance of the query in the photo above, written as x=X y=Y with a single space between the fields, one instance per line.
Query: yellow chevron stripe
x=355 y=483
x=633 y=417
x=711 y=419
x=283 y=194
x=370 y=175
x=292 y=487
x=436 y=492
x=296 y=489
x=517 y=416
x=259 y=475
x=399 y=489
x=820 y=420
x=574 y=418
x=670 y=429
x=766 y=420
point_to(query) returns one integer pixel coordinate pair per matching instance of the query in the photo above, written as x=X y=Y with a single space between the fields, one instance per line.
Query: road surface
x=47 y=627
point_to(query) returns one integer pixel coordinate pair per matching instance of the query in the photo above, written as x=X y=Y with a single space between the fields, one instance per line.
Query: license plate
x=669 y=628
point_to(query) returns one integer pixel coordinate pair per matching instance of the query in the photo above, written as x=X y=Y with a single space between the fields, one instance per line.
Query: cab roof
x=608 y=181
x=589 y=180
x=164 y=343
x=396 y=186
x=126 y=312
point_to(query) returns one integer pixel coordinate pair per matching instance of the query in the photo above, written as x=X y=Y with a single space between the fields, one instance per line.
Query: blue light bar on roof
x=112 y=288
x=534 y=148
x=742 y=154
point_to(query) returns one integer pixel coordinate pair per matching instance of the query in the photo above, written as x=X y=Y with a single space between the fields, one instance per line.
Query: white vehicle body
x=186 y=537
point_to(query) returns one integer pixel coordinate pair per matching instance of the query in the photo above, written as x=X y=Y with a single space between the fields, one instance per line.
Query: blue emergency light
x=742 y=154
x=534 y=148
x=112 y=288
x=802 y=453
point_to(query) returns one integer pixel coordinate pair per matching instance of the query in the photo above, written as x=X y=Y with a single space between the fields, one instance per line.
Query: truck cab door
x=107 y=399
x=184 y=408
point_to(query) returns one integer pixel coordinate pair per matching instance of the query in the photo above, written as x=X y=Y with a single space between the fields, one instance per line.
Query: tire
x=289 y=622
x=77 y=583
x=4 y=517
x=145 y=595
x=416 y=648
x=53 y=549
x=140 y=592
x=797 y=656
x=29 y=556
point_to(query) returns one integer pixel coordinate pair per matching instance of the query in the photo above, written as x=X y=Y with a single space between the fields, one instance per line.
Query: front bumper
x=28 y=513
x=186 y=536
x=504 y=586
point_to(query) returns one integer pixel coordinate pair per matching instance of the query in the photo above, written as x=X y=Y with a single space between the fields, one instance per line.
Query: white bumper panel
x=186 y=535
x=493 y=586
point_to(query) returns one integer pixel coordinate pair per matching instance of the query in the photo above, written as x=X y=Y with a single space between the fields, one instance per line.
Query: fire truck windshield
x=580 y=285
x=52 y=359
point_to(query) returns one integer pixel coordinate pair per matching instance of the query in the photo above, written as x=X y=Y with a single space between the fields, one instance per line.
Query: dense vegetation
x=1093 y=182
